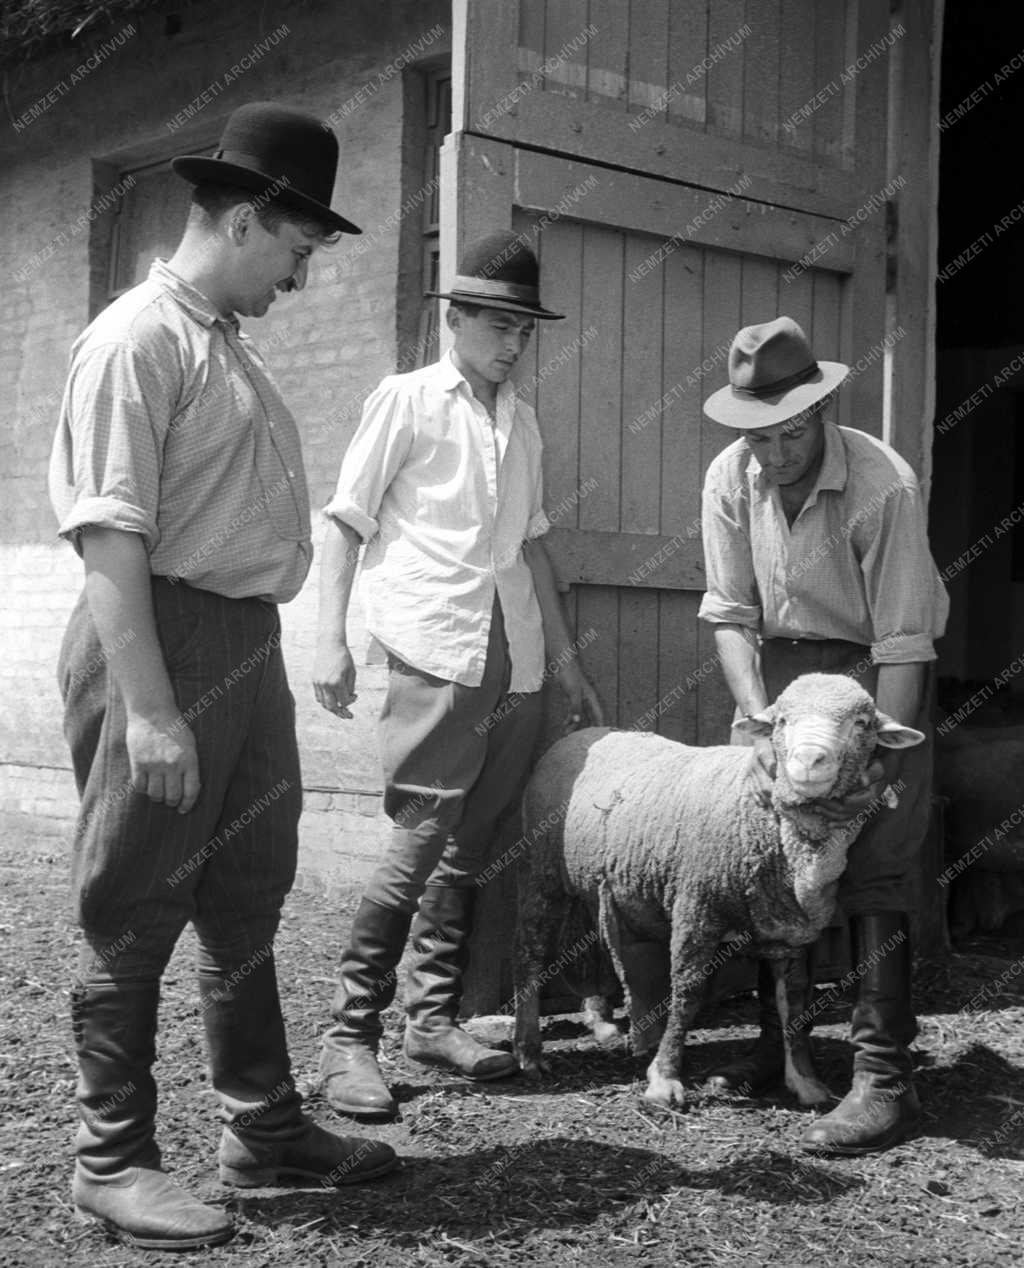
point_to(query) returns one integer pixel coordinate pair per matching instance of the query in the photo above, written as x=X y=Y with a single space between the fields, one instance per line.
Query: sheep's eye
x=861 y=724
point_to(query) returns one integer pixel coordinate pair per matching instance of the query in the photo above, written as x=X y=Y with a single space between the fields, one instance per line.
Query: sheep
x=664 y=843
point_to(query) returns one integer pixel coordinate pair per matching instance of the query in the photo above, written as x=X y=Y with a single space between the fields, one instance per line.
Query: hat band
x=780 y=385
x=295 y=179
x=488 y=288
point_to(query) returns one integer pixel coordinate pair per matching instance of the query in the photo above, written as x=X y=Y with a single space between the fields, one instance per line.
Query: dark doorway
x=977 y=497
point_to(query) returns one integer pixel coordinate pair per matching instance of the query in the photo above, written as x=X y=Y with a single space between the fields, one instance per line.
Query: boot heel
x=249 y=1178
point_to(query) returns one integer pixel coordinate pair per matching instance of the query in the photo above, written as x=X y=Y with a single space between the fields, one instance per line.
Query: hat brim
x=730 y=409
x=494 y=301
x=199 y=168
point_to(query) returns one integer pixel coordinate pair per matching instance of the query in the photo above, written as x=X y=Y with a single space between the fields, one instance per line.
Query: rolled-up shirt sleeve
x=373 y=458
x=904 y=593
x=107 y=462
x=732 y=595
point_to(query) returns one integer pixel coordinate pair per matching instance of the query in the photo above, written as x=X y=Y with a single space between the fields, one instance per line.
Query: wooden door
x=683 y=168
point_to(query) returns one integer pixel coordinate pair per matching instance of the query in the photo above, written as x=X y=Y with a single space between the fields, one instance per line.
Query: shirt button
x=270 y=424
x=291 y=475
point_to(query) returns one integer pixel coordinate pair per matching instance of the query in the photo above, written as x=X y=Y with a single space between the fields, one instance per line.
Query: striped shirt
x=854 y=565
x=171 y=427
x=444 y=499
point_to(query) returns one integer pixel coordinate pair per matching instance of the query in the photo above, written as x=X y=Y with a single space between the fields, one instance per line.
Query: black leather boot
x=764 y=1063
x=349 y=1073
x=881 y=1106
x=118 y=1179
x=267 y=1138
x=440 y=940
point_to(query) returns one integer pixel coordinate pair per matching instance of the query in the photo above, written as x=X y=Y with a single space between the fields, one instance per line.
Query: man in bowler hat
x=442 y=482
x=817 y=560
x=177 y=475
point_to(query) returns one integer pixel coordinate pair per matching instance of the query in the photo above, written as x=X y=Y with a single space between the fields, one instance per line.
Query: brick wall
x=327 y=347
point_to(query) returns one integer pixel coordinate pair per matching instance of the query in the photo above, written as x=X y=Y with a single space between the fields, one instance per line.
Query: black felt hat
x=276 y=150
x=499 y=271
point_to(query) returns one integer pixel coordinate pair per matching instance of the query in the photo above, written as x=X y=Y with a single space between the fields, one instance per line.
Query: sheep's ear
x=756 y=723
x=892 y=734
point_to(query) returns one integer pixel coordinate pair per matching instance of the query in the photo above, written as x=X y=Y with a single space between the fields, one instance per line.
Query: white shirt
x=444 y=499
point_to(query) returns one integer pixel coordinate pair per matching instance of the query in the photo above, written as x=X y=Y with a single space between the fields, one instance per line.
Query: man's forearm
x=740 y=655
x=900 y=691
x=337 y=572
x=118 y=587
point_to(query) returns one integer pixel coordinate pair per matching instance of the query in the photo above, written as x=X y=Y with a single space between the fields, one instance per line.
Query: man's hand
x=163 y=759
x=334 y=678
x=762 y=770
x=866 y=798
x=581 y=696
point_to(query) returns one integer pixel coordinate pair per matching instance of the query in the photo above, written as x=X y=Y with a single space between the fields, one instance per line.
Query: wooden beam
x=650 y=561
x=644 y=204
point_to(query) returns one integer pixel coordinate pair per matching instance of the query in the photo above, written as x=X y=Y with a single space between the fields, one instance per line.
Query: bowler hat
x=277 y=150
x=772 y=376
x=499 y=271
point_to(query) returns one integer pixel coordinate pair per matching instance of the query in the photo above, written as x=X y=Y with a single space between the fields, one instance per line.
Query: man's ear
x=452 y=317
x=756 y=723
x=239 y=221
x=892 y=734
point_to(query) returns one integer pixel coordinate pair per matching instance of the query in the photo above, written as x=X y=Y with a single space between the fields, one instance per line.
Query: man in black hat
x=817 y=560
x=442 y=481
x=177 y=475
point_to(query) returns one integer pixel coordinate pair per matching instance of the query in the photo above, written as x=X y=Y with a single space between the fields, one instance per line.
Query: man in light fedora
x=442 y=481
x=177 y=475
x=817 y=560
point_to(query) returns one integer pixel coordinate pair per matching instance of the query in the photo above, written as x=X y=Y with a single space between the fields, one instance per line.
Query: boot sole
x=906 y=1133
x=435 y=1064
x=363 y=1111
x=153 y=1243
x=273 y=1177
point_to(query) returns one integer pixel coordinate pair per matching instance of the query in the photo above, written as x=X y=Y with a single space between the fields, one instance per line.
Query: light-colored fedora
x=773 y=375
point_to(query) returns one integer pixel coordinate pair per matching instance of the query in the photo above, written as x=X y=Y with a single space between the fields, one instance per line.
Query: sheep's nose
x=810 y=764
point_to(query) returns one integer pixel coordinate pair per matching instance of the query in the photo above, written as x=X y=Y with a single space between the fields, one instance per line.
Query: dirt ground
x=578 y=1170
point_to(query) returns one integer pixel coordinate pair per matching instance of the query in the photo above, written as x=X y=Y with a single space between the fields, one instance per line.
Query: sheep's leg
x=794 y=990
x=692 y=961
x=536 y=929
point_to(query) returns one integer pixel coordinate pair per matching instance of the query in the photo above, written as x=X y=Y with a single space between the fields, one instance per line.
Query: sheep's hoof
x=662 y=1091
x=534 y=1068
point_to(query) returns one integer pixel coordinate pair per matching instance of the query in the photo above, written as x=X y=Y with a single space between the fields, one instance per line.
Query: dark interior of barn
x=977 y=491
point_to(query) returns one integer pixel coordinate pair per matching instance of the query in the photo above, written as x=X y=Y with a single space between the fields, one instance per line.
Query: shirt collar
x=833 y=471
x=194 y=302
x=452 y=378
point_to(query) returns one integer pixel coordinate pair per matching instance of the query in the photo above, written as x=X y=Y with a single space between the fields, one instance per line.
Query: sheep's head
x=824 y=729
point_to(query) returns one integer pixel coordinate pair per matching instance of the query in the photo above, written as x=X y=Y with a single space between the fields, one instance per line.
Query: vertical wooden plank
x=832 y=49
x=721 y=313
x=797 y=83
x=687 y=48
x=796 y=297
x=532 y=18
x=608 y=53
x=912 y=405
x=760 y=54
x=597 y=610
x=558 y=371
x=648 y=53
x=640 y=511
x=826 y=336
x=638 y=659
x=483 y=73
x=759 y=293
x=565 y=55
x=678 y=663
x=868 y=301
x=601 y=376
x=725 y=78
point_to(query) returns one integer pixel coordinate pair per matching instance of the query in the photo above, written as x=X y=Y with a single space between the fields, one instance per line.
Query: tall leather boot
x=440 y=940
x=764 y=1063
x=881 y=1106
x=349 y=1072
x=267 y=1138
x=118 y=1179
